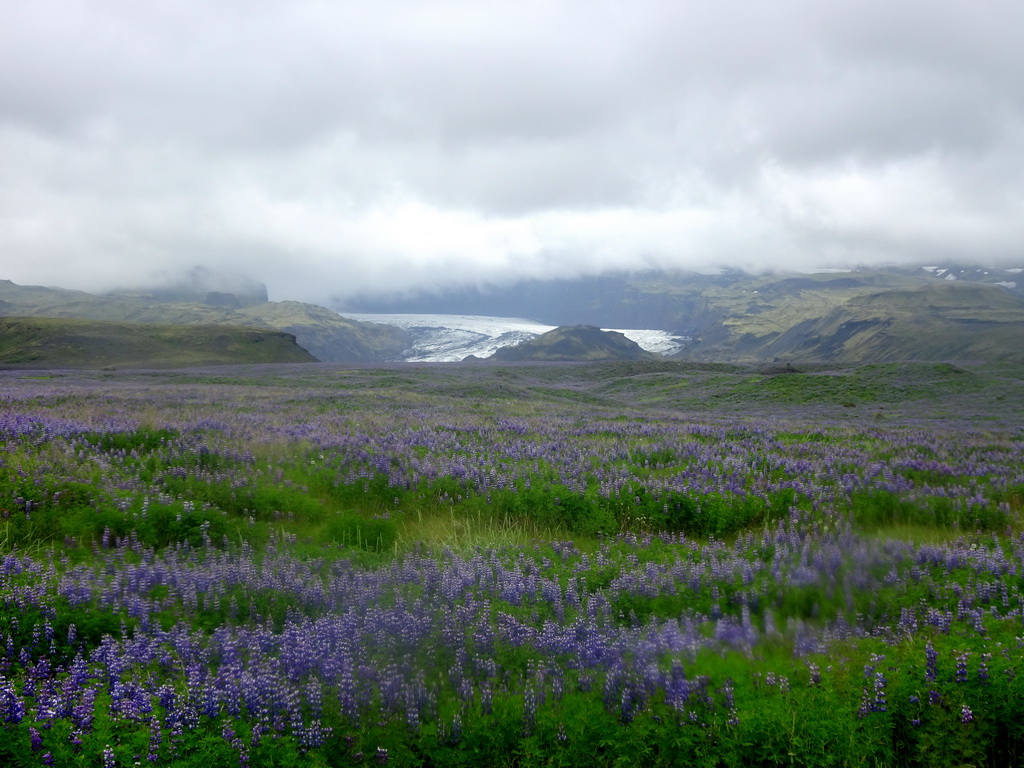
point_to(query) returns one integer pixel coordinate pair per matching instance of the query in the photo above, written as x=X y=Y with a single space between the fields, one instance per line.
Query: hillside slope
x=937 y=321
x=68 y=343
x=579 y=343
x=325 y=334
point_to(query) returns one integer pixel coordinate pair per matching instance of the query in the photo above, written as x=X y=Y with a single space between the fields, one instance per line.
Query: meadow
x=512 y=565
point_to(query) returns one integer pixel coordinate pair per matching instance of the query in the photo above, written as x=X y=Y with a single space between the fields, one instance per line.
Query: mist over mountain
x=610 y=299
x=202 y=285
x=336 y=149
x=658 y=299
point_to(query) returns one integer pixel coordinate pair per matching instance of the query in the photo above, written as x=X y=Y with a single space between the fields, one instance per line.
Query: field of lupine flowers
x=644 y=564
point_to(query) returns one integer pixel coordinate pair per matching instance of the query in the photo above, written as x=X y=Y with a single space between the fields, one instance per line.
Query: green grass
x=918 y=533
x=463 y=533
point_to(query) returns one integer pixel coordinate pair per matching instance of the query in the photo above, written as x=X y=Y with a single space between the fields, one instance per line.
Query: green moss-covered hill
x=59 y=342
x=575 y=343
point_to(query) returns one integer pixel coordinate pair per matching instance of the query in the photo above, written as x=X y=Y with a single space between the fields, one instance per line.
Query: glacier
x=451 y=338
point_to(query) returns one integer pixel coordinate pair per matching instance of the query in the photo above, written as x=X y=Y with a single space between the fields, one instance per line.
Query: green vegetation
x=618 y=564
x=53 y=342
x=581 y=343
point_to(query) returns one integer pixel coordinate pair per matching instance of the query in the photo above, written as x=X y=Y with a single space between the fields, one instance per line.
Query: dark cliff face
x=577 y=343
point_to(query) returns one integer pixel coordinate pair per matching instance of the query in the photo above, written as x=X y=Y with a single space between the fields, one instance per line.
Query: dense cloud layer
x=329 y=148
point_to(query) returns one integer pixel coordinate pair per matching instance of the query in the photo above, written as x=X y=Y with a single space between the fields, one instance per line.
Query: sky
x=333 y=148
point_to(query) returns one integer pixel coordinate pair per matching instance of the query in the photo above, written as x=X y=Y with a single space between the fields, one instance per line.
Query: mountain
x=860 y=322
x=322 y=332
x=69 y=343
x=327 y=335
x=577 y=343
x=862 y=315
x=668 y=300
x=934 y=313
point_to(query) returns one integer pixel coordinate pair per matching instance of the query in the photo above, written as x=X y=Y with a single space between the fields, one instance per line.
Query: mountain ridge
x=323 y=333
x=856 y=316
x=861 y=315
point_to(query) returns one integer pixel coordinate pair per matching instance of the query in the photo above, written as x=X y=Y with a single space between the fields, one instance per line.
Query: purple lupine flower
x=529 y=710
x=155 y=738
x=12 y=706
x=961 y=667
x=486 y=697
x=314 y=735
x=879 y=704
x=966 y=715
x=865 y=703
x=983 y=673
x=931 y=662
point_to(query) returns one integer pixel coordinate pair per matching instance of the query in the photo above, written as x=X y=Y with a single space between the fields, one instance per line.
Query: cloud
x=334 y=148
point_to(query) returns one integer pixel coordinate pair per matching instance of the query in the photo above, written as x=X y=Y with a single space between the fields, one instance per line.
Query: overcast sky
x=339 y=147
